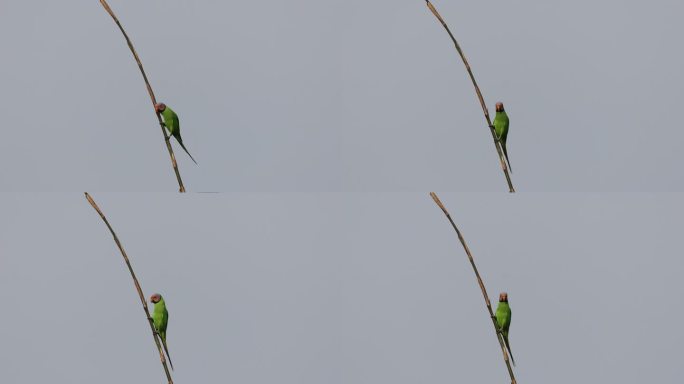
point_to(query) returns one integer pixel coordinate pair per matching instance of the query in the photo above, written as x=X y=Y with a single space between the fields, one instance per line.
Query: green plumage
x=503 y=320
x=501 y=128
x=172 y=124
x=160 y=317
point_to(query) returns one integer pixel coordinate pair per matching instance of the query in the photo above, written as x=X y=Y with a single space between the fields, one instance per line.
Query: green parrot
x=160 y=317
x=501 y=129
x=172 y=124
x=503 y=320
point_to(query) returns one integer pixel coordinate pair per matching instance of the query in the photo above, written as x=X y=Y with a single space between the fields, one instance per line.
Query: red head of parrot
x=503 y=297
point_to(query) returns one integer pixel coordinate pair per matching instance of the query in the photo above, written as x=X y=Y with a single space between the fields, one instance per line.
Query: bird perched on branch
x=501 y=128
x=172 y=124
x=160 y=317
x=503 y=320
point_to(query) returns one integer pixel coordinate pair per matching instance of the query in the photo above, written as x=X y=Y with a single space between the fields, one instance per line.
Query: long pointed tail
x=508 y=347
x=185 y=149
x=167 y=353
x=503 y=147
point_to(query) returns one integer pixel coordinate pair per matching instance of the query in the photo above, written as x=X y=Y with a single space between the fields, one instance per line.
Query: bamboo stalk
x=137 y=286
x=151 y=93
x=497 y=144
x=480 y=282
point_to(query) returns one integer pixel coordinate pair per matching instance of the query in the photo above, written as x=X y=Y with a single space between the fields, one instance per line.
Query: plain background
x=341 y=288
x=342 y=95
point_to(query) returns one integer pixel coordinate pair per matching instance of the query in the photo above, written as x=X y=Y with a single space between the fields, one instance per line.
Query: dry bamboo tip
x=439 y=203
x=93 y=204
x=434 y=11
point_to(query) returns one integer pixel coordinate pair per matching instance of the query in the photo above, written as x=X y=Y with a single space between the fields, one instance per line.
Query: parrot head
x=503 y=297
x=159 y=107
x=499 y=107
x=154 y=299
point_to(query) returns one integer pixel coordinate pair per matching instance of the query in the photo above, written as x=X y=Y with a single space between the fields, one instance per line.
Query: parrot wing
x=501 y=123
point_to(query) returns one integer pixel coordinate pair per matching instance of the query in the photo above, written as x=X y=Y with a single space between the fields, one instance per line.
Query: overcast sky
x=341 y=288
x=276 y=281
x=342 y=95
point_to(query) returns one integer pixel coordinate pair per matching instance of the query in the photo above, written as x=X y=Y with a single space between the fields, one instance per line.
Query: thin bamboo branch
x=150 y=91
x=497 y=144
x=137 y=286
x=480 y=282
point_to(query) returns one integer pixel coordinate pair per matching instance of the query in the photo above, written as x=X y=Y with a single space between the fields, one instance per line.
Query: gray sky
x=280 y=101
x=342 y=95
x=341 y=288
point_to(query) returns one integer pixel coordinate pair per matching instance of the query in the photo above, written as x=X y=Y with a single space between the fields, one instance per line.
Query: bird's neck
x=160 y=306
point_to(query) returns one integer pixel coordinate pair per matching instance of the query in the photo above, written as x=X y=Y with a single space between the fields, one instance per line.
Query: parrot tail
x=186 y=151
x=508 y=347
x=167 y=353
x=503 y=146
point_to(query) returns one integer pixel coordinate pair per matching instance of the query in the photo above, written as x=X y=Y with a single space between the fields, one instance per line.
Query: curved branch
x=137 y=286
x=150 y=91
x=480 y=282
x=504 y=167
